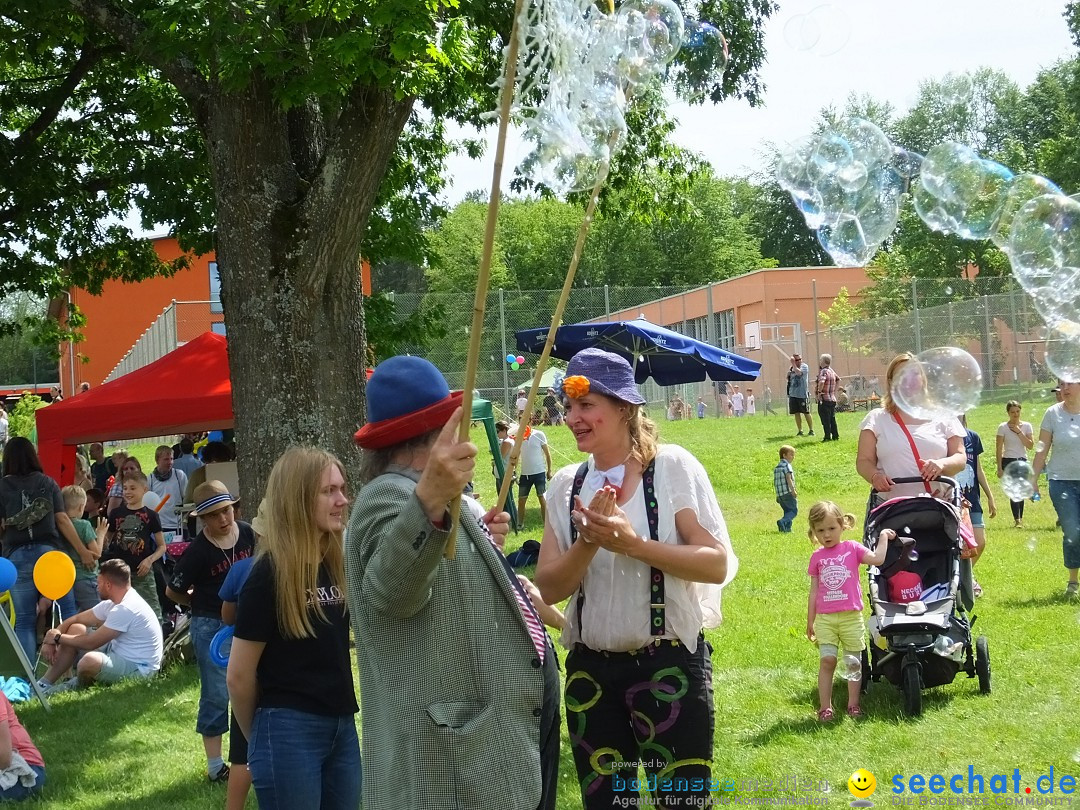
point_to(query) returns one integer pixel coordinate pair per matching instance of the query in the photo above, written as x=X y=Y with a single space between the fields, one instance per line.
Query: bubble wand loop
x=483 y=277
x=556 y=321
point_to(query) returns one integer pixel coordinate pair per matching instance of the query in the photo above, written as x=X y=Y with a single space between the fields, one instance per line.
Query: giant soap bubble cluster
x=577 y=65
x=848 y=182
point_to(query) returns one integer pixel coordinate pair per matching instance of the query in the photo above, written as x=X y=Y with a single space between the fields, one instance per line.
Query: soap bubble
x=1018 y=480
x=1063 y=356
x=913 y=554
x=1040 y=446
x=848 y=183
x=851 y=668
x=1032 y=543
x=938 y=383
x=822 y=31
x=1024 y=187
x=1044 y=250
x=704 y=59
x=959 y=192
x=957 y=89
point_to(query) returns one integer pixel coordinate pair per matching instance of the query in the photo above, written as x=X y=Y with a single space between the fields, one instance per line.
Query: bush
x=22 y=420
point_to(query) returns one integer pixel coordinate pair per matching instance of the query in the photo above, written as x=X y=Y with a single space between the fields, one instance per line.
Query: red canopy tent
x=187 y=390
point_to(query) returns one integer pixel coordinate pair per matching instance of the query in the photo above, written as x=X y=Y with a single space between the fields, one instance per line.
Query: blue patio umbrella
x=666 y=356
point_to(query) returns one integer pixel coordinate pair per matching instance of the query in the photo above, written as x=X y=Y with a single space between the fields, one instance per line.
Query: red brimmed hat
x=406 y=397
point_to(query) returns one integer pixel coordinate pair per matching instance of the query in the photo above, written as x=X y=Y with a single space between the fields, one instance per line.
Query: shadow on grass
x=882 y=702
x=91 y=735
x=1046 y=600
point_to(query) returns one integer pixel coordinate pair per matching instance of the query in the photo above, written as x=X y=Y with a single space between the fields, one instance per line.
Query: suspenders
x=656 y=576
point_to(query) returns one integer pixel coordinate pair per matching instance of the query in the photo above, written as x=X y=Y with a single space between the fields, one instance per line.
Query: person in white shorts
x=127 y=641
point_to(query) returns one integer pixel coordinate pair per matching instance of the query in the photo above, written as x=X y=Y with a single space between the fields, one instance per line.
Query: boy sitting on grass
x=135 y=536
x=85 y=587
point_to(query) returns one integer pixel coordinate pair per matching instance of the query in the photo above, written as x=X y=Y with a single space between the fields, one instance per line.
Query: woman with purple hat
x=456 y=670
x=635 y=537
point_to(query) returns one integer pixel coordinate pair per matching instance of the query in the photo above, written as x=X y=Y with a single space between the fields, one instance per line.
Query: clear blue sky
x=881 y=47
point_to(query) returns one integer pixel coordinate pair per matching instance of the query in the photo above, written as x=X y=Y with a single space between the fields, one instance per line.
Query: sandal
x=855 y=713
x=825 y=715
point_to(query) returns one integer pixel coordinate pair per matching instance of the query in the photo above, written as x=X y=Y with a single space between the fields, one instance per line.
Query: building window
x=215 y=288
x=725 y=329
x=217 y=328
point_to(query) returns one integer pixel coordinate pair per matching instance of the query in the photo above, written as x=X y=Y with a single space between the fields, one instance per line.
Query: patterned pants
x=651 y=708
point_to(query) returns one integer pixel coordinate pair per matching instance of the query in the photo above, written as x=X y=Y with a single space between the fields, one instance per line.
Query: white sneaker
x=1072 y=589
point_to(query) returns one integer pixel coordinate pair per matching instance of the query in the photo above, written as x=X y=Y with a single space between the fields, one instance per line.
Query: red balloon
x=520 y=360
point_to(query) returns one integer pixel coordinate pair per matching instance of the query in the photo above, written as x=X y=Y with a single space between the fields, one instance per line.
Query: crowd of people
x=456 y=665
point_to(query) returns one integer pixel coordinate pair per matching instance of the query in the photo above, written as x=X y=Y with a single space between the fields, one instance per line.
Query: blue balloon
x=220 y=639
x=510 y=358
x=8 y=574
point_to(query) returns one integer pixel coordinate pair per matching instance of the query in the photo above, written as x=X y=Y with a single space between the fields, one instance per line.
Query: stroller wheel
x=982 y=664
x=911 y=684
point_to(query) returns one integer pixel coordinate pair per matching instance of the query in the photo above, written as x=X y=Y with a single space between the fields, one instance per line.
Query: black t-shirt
x=204 y=567
x=308 y=674
x=28 y=505
x=134 y=535
x=101 y=471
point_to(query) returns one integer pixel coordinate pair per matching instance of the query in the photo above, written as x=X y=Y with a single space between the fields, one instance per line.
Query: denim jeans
x=1066 y=498
x=213 y=717
x=17 y=793
x=24 y=595
x=304 y=761
x=791 y=508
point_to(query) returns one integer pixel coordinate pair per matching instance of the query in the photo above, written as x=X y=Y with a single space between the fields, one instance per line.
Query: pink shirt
x=20 y=740
x=837 y=572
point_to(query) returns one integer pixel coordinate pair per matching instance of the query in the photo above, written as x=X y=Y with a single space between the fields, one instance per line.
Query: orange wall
x=119 y=316
x=779 y=295
x=124 y=311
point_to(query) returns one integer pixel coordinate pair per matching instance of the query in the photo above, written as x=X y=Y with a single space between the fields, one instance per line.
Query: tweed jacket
x=451 y=685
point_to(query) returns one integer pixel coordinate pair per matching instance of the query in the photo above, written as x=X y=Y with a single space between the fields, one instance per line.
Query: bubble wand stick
x=483 y=278
x=556 y=322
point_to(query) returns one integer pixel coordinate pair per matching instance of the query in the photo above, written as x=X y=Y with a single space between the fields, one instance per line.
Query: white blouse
x=1012 y=447
x=617 y=587
x=894 y=456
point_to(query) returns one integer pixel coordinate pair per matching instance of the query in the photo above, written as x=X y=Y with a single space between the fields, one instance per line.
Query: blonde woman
x=289 y=675
x=895 y=444
x=635 y=537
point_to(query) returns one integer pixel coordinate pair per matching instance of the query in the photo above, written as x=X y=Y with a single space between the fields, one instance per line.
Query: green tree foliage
x=23 y=418
x=291 y=136
x=28 y=346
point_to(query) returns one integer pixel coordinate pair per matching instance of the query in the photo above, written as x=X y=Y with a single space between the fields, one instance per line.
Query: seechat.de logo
x=862 y=785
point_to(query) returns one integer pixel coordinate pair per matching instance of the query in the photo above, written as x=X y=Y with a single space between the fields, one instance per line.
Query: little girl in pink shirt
x=834 y=610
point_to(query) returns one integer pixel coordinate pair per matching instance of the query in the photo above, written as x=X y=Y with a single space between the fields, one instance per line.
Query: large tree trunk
x=288 y=248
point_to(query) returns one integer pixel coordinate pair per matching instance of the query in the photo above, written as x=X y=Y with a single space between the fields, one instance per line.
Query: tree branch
x=130 y=32
x=57 y=97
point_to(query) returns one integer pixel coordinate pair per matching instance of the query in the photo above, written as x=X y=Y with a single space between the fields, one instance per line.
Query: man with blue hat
x=456 y=670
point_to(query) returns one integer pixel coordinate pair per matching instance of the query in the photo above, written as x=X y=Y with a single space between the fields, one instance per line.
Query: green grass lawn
x=134 y=746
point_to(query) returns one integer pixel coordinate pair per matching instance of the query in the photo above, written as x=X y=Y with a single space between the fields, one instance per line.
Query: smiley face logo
x=862 y=785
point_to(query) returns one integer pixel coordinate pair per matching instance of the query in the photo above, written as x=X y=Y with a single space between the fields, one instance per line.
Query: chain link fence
x=506 y=312
x=992 y=319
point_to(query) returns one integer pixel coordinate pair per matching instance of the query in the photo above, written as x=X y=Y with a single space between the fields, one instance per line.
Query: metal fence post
x=607 y=303
x=989 y=343
x=915 y=315
x=504 y=364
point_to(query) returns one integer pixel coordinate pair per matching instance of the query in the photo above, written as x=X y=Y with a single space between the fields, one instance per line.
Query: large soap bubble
x=703 y=61
x=959 y=192
x=938 y=383
x=1063 y=351
x=848 y=182
x=1018 y=480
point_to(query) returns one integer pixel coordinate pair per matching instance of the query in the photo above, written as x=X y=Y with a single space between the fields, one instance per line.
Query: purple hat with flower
x=599 y=372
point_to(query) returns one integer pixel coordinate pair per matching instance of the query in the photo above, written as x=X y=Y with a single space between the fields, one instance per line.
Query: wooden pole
x=484 y=276
x=556 y=321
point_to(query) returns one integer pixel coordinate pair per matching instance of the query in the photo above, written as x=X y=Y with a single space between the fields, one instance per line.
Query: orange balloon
x=54 y=574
